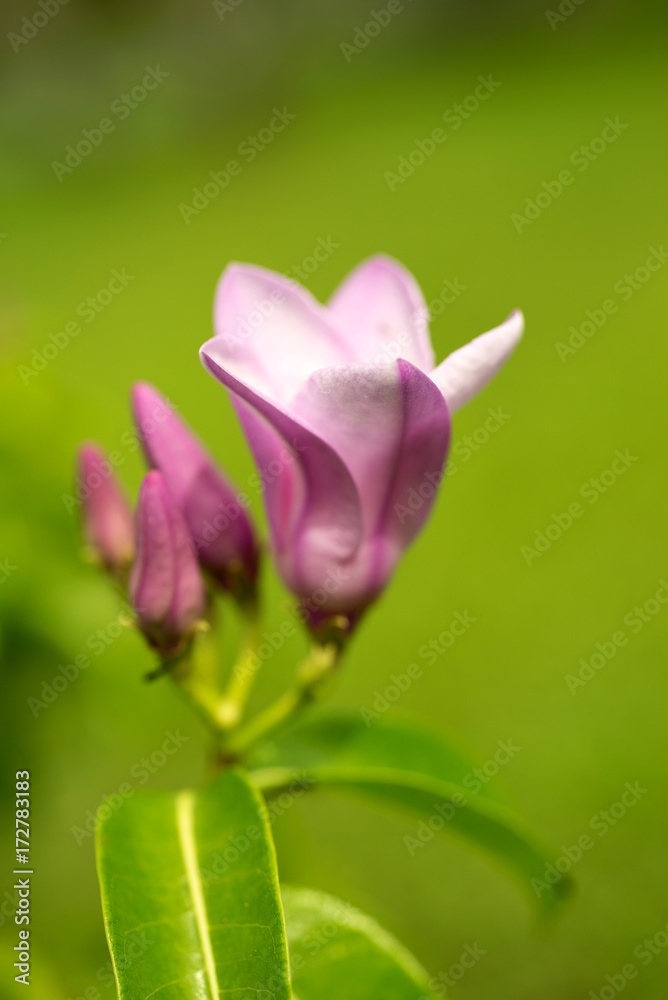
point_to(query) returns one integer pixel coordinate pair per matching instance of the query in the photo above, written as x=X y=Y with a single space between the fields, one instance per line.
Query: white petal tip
x=466 y=371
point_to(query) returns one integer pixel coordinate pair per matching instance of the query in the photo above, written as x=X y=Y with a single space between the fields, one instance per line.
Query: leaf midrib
x=185 y=823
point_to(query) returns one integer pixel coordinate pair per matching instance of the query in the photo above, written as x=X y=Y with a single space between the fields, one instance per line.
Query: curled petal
x=390 y=425
x=314 y=512
x=467 y=370
x=421 y=455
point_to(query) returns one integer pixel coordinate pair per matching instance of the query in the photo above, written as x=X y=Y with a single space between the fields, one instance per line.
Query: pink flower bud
x=107 y=517
x=215 y=514
x=166 y=587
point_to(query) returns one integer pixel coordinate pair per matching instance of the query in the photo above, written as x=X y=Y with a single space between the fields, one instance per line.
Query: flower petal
x=390 y=425
x=272 y=333
x=314 y=509
x=421 y=456
x=467 y=370
x=383 y=314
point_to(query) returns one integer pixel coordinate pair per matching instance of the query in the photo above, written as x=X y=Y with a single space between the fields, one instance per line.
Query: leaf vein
x=185 y=823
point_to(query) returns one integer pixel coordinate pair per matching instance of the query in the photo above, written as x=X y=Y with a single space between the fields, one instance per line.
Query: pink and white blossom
x=350 y=391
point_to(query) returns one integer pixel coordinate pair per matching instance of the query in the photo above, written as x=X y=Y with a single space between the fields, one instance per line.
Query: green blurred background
x=323 y=177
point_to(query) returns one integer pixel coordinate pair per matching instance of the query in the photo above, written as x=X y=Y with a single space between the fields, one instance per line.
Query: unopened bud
x=106 y=514
x=216 y=516
x=166 y=585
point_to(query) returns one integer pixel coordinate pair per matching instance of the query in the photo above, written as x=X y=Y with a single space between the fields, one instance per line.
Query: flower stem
x=311 y=678
x=200 y=696
x=233 y=699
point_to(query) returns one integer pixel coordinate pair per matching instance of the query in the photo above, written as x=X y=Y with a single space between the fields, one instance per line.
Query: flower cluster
x=345 y=401
x=171 y=545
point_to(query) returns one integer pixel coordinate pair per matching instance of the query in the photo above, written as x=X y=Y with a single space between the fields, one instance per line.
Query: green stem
x=199 y=695
x=310 y=679
x=233 y=699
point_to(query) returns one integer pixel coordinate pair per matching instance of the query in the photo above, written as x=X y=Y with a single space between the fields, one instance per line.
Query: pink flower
x=166 y=587
x=219 y=526
x=346 y=414
x=108 y=526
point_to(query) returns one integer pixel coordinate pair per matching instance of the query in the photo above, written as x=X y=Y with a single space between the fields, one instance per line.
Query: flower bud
x=166 y=586
x=215 y=514
x=107 y=517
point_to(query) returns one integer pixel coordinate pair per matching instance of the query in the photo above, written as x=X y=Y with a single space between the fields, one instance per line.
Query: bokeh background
x=323 y=178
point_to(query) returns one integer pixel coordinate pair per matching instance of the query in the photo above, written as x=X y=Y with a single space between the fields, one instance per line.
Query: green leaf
x=337 y=952
x=407 y=765
x=190 y=895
